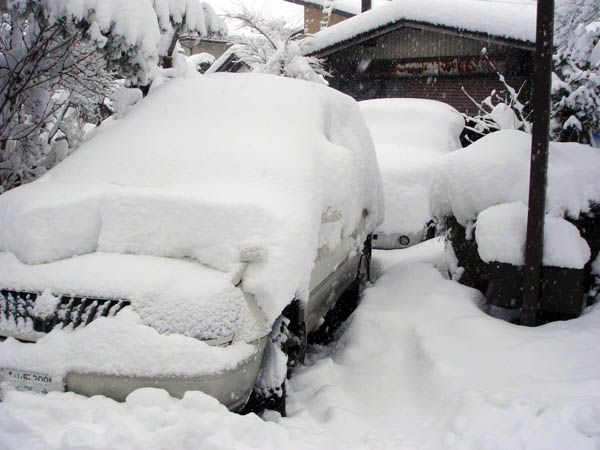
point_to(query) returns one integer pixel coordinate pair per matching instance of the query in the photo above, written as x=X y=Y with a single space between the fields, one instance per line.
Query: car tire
x=289 y=337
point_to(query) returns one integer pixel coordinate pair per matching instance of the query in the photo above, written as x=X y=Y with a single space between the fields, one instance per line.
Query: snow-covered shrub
x=506 y=110
x=274 y=47
x=58 y=62
x=576 y=78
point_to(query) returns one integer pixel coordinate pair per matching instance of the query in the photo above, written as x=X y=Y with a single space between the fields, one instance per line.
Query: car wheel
x=284 y=352
x=347 y=303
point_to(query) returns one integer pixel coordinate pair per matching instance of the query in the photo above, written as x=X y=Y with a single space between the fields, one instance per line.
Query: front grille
x=16 y=312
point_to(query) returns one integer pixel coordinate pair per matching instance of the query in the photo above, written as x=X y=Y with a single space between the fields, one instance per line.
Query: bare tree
x=58 y=64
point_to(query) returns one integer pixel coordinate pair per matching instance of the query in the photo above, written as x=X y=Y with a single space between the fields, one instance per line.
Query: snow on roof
x=514 y=21
x=228 y=55
x=203 y=168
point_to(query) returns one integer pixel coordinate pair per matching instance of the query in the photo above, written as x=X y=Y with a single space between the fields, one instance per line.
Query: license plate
x=25 y=380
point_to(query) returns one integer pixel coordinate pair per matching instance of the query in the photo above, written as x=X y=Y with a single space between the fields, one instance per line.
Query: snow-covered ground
x=418 y=366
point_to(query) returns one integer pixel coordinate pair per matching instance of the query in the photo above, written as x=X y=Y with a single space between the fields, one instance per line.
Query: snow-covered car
x=192 y=244
x=410 y=135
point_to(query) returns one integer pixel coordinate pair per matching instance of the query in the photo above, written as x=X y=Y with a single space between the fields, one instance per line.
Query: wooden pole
x=534 y=248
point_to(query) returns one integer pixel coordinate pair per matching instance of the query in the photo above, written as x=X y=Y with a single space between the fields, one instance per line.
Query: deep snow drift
x=419 y=366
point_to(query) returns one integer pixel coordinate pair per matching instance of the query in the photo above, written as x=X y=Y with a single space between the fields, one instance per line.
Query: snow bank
x=495 y=170
x=409 y=135
x=198 y=169
x=419 y=366
x=122 y=345
x=509 y=20
x=501 y=234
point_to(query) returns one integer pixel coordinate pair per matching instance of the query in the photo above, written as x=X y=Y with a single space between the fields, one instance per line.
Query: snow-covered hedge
x=495 y=170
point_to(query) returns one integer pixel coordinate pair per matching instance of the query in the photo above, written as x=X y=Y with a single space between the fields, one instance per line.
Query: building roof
x=512 y=21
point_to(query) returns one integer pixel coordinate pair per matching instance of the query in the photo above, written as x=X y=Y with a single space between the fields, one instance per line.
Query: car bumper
x=389 y=241
x=231 y=387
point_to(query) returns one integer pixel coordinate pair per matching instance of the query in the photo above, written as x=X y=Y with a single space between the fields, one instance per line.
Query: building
x=342 y=10
x=436 y=49
x=193 y=45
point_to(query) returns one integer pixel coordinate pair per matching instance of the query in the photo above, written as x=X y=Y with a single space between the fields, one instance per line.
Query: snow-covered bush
x=576 y=78
x=58 y=62
x=506 y=110
x=274 y=47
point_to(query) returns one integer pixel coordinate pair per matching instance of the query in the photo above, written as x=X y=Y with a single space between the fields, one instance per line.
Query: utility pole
x=534 y=248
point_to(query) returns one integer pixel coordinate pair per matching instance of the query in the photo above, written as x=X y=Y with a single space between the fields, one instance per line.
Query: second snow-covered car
x=192 y=244
x=410 y=134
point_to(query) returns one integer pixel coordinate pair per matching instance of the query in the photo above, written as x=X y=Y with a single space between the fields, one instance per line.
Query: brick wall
x=445 y=89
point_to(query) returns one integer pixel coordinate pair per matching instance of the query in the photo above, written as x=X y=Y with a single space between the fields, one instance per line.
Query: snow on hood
x=495 y=170
x=171 y=295
x=409 y=135
x=123 y=345
x=200 y=168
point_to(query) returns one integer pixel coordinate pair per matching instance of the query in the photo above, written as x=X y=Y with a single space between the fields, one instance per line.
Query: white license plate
x=25 y=380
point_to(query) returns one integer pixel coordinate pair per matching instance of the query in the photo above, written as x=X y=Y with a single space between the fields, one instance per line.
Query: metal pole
x=365 y=5
x=534 y=248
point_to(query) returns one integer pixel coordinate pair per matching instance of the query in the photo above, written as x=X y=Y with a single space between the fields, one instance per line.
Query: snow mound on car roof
x=201 y=168
x=409 y=135
x=495 y=170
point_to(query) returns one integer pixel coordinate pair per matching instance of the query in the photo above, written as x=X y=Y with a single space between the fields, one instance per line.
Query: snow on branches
x=576 y=78
x=497 y=112
x=58 y=63
x=274 y=47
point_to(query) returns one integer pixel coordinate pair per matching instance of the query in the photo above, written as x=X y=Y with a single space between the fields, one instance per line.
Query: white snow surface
x=495 y=170
x=200 y=168
x=419 y=366
x=410 y=135
x=501 y=234
x=508 y=20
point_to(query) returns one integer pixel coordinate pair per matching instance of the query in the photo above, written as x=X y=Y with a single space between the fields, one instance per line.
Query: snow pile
x=419 y=366
x=122 y=345
x=501 y=232
x=409 y=135
x=509 y=20
x=495 y=170
x=200 y=168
